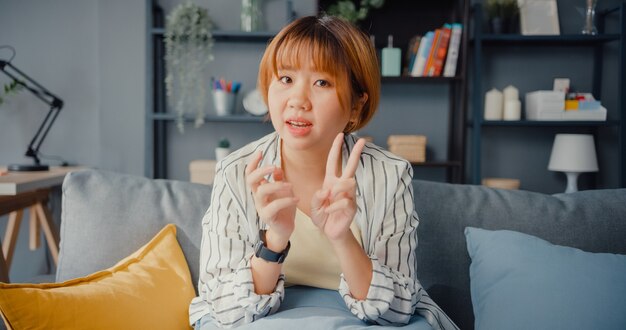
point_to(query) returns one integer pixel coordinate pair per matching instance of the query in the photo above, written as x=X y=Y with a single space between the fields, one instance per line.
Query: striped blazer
x=385 y=215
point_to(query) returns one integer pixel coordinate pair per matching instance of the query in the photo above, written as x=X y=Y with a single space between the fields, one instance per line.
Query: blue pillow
x=520 y=281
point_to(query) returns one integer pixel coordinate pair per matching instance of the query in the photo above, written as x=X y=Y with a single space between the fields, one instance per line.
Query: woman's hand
x=333 y=207
x=274 y=201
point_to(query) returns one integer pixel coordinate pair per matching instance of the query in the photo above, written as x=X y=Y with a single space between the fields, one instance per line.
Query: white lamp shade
x=573 y=153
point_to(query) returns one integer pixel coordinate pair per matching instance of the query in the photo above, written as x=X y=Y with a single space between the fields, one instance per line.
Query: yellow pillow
x=150 y=289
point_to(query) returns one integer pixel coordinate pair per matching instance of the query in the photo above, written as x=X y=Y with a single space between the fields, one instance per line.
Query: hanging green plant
x=188 y=50
x=347 y=10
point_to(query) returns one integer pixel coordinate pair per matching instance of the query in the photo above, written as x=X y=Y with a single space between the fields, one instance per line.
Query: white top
x=385 y=217
x=311 y=260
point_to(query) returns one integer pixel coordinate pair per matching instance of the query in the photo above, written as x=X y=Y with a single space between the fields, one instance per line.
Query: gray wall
x=94 y=55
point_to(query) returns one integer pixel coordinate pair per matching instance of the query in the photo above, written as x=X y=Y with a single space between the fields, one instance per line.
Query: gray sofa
x=106 y=216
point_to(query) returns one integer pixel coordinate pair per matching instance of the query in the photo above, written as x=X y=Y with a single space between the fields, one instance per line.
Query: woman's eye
x=285 y=79
x=322 y=83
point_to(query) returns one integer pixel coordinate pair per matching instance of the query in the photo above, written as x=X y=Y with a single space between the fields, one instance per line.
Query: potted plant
x=510 y=14
x=503 y=16
x=222 y=150
x=347 y=10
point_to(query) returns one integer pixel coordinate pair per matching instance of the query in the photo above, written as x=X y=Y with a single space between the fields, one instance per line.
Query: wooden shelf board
x=546 y=123
x=557 y=40
x=419 y=80
x=228 y=35
x=211 y=118
x=438 y=164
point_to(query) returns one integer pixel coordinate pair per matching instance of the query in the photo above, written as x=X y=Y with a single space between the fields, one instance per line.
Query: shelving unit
x=159 y=117
x=434 y=16
x=595 y=42
x=403 y=20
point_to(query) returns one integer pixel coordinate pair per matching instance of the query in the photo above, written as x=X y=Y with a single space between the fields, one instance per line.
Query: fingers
x=320 y=199
x=353 y=161
x=257 y=177
x=343 y=204
x=267 y=190
x=270 y=211
x=346 y=187
x=333 y=156
x=254 y=163
x=278 y=174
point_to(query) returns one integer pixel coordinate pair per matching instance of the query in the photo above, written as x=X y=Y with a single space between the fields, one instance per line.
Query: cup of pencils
x=224 y=95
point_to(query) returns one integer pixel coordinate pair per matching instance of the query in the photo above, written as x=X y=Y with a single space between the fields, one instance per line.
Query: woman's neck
x=304 y=163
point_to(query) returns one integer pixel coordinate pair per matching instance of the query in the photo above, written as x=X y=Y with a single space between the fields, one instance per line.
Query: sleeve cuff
x=244 y=291
x=379 y=295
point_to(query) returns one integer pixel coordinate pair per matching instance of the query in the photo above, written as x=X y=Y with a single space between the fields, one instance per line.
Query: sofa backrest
x=106 y=216
x=593 y=220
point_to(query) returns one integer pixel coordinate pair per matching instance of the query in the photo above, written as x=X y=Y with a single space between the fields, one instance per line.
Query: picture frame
x=539 y=17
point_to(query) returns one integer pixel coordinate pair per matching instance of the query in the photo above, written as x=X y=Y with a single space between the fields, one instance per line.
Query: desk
x=21 y=190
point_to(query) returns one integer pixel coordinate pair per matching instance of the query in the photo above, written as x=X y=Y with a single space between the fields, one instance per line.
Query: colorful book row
x=436 y=53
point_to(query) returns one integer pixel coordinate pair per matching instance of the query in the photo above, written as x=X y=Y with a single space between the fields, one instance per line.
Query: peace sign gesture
x=333 y=207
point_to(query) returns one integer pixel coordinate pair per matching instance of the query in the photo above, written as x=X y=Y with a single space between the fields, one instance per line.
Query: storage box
x=501 y=183
x=590 y=115
x=202 y=171
x=544 y=104
x=409 y=147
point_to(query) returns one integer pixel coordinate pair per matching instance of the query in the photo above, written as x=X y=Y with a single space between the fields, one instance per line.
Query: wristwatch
x=261 y=250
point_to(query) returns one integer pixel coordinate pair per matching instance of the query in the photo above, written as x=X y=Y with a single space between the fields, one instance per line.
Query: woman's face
x=305 y=109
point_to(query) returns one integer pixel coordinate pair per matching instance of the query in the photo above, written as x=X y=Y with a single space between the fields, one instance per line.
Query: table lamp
x=573 y=154
x=50 y=99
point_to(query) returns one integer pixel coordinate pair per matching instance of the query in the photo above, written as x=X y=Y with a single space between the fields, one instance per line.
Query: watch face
x=257 y=249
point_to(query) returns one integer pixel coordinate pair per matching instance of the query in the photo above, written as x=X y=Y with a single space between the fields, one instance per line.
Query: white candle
x=510 y=93
x=493 y=105
x=512 y=110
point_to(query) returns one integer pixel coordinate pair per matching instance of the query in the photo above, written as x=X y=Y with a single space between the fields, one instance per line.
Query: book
x=411 y=54
x=422 y=54
x=441 y=51
x=453 y=50
x=428 y=67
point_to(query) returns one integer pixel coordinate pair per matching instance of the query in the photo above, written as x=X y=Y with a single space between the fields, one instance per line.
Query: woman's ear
x=361 y=101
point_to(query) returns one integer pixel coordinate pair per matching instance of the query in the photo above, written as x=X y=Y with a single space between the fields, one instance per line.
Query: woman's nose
x=299 y=98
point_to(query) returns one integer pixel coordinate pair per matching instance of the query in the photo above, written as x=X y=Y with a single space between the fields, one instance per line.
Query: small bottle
x=391 y=60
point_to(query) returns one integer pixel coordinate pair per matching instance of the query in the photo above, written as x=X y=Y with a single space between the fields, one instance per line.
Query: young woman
x=311 y=204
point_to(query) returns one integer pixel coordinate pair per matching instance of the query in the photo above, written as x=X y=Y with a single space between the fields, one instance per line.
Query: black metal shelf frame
x=597 y=42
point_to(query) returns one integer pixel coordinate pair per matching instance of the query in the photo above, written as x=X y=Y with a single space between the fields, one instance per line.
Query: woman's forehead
x=308 y=54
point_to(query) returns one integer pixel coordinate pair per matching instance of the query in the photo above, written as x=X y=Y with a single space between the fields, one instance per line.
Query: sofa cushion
x=149 y=289
x=590 y=220
x=519 y=281
x=106 y=216
x=307 y=307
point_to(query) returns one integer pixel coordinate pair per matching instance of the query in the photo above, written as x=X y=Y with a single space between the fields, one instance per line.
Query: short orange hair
x=335 y=47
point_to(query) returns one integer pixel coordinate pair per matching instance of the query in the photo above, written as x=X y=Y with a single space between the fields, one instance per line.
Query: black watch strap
x=261 y=250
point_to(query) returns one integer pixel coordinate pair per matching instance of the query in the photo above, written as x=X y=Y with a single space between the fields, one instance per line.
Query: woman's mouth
x=297 y=123
x=299 y=127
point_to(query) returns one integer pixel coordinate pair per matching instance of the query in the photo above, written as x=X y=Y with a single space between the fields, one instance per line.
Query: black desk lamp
x=50 y=99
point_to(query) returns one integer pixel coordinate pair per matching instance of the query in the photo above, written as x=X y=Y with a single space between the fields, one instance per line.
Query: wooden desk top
x=14 y=183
